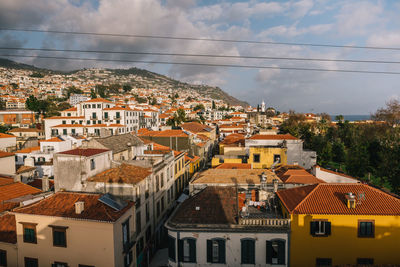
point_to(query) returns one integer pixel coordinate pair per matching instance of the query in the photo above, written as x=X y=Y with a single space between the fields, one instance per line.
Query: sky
x=336 y=22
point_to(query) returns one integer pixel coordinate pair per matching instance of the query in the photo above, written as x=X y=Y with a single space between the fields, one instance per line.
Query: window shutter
x=252 y=251
x=313 y=227
x=209 y=251
x=281 y=252
x=243 y=251
x=269 y=252
x=180 y=250
x=192 y=249
x=171 y=248
x=328 y=228
x=221 y=247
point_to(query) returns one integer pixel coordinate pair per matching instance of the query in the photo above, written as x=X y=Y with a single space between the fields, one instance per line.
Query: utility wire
x=200 y=55
x=207 y=64
x=200 y=39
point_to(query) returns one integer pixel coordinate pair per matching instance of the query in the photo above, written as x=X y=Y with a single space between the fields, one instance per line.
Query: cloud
x=265 y=75
x=293 y=30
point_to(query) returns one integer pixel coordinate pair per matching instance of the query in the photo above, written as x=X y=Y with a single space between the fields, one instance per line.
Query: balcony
x=264 y=222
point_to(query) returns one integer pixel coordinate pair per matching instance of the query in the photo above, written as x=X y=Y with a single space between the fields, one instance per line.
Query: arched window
x=216 y=250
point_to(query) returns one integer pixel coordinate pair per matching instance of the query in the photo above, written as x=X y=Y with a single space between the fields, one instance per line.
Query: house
x=7 y=163
x=123 y=147
x=330 y=176
x=70 y=229
x=8 y=142
x=266 y=151
x=210 y=228
x=198 y=128
x=294 y=175
x=341 y=224
x=13 y=193
x=73 y=167
x=23 y=134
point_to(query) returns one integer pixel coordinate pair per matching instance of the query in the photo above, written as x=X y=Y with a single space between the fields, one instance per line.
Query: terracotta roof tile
x=71 y=109
x=216 y=205
x=14 y=190
x=23 y=169
x=330 y=199
x=234 y=166
x=98 y=100
x=6 y=154
x=5 y=180
x=296 y=175
x=24 y=130
x=8 y=233
x=3 y=135
x=273 y=137
x=38 y=183
x=87 y=152
x=195 y=127
x=125 y=173
x=232 y=176
x=28 y=150
x=62 y=204
x=166 y=133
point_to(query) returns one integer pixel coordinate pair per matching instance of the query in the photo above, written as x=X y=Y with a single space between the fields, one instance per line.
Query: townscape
x=99 y=169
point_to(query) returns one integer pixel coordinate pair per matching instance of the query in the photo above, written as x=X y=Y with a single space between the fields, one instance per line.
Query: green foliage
x=127 y=88
x=214 y=107
x=36 y=75
x=362 y=150
x=2 y=104
x=73 y=90
x=93 y=94
x=101 y=90
x=199 y=107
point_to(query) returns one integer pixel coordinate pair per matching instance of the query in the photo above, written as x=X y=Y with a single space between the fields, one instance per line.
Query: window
x=98 y=105
x=365 y=261
x=64 y=131
x=92 y=164
x=256 y=158
x=88 y=122
x=31 y=262
x=148 y=233
x=3 y=257
x=29 y=232
x=105 y=115
x=276 y=252
x=93 y=115
x=248 y=251
x=59 y=236
x=125 y=233
x=99 y=122
x=72 y=122
x=157 y=183
x=216 y=251
x=171 y=248
x=147 y=212
x=158 y=208
x=59 y=264
x=162 y=180
x=128 y=259
x=366 y=228
x=320 y=228
x=69 y=114
x=64 y=122
x=187 y=250
x=73 y=131
x=277 y=158
x=93 y=105
x=118 y=115
x=138 y=222
x=323 y=262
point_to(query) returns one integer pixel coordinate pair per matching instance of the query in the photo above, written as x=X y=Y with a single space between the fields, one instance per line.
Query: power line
x=200 y=55
x=207 y=64
x=201 y=39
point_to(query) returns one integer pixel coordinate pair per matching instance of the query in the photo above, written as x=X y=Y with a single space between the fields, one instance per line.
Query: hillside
x=145 y=79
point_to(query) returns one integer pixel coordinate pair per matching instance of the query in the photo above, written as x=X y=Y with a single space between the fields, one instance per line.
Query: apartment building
x=210 y=228
x=95 y=117
x=69 y=229
x=8 y=142
x=341 y=224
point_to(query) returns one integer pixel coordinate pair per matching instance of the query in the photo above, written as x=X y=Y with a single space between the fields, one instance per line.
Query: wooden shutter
x=180 y=250
x=221 y=250
x=243 y=251
x=313 y=227
x=192 y=250
x=209 y=251
x=327 y=228
x=281 y=252
x=171 y=248
x=252 y=251
x=269 y=252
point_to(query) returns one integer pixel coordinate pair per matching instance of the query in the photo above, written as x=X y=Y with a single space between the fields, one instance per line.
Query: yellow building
x=338 y=224
x=179 y=172
x=69 y=229
x=262 y=157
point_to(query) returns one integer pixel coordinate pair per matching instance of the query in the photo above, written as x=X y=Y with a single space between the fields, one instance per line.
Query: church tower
x=263 y=106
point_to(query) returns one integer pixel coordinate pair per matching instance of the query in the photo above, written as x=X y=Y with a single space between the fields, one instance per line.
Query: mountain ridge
x=211 y=91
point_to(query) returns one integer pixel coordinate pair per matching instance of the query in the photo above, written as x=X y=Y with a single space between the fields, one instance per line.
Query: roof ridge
x=306 y=197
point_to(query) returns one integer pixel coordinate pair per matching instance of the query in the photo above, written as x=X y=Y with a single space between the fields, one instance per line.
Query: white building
x=75 y=99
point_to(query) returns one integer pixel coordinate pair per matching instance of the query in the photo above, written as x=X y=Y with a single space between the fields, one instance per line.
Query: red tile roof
x=87 y=152
x=273 y=137
x=330 y=199
x=28 y=150
x=293 y=174
x=8 y=233
x=166 y=133
x=6 y=154
x=71 y=109
x=98 y=100
x=62 y=204
x=5 y=180
x=14 y=190
x=195 y=127
x=3 y=135
x=125 y=173
x=234 y=166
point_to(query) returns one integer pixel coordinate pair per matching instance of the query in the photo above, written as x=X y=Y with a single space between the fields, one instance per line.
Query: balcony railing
x=264 y=222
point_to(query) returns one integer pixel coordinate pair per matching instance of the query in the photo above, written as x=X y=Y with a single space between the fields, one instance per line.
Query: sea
x=352 y=117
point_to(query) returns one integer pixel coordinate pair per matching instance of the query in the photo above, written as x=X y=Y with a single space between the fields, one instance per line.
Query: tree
x=339 y=118
x=2 y=104
x=338 y=152
x=73 y=90
x=92 y=94
x=176 y=96
x=214 y=107
x=127 y=88
x=101 y=90
x=390 y=114
x=199 y=107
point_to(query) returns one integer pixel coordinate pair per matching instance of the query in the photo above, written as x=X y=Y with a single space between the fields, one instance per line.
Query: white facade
x=331 y=176
x=8 y=142
x=75 y=99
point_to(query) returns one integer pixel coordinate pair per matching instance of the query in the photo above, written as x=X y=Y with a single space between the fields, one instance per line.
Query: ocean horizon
x=352 y=117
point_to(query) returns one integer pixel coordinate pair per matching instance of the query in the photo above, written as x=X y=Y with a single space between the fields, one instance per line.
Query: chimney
x=351 y=200
x=79 y=207
x=275 y=185
x=45 y=184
